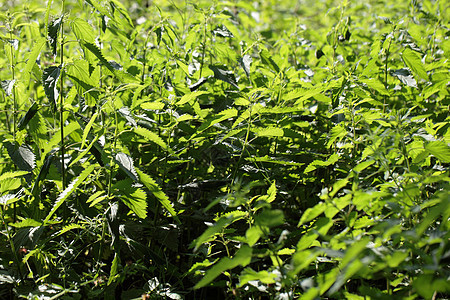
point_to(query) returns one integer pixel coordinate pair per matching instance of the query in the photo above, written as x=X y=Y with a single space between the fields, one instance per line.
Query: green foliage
x=226 y=150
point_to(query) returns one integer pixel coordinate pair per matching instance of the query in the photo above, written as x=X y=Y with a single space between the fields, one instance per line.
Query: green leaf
x=26 y=223
x=31 y=59
x=375 y=84
x=114 y=268
x=269 y=131
x=87 y=129
x=440 y=150
x=69 y=190
x=42 y=173
x=153 y=187
x=312 y=212
x=50 y=78
x=413 y=61
x=222 y=74
x=53 y=29
x=190 y=96
x=70 y=227
x=8 y=87
x=253 y=234
x=270 y=218
x=266 y=58
x=250 y=275
x=126 y=164
x=150 y=136
x=22 y=156
x=319 y=163
x=242 y=258
x=15 y=174
x=28 y=116
x=132 y=196
x=83 y=30
x=97 y=197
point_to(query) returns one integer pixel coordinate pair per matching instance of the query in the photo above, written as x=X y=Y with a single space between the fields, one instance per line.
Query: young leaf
x=50 y=78
x=69 y=190
x=242 y=258
x=53 y=29
x=28 y=116
x=412 y=60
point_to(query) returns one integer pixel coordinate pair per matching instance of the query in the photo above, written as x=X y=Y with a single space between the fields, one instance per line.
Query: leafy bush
x=224 y=150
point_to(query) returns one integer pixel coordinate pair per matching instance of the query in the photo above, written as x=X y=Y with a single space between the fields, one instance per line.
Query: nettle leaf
x=245 y=63
x=83 y=30
x=222 y=74
x=190 y=97
x=242 y=258
x=22 y=156
x=405 y=77
x=440 y=150
x=223 y=32
x=43 y=173
x=195 y=86
x=413 y=61
x=53 y=29
x=85 y=85
x=7 y=86
x=69 y=190
x=270 y=218
x=319 y=163
x=28 y=116
x=153 y=187
x=132 y=196
x=126 y=113
x=150 y=136
x=126 y=164
x=375 y=84
x=266 y=58
x=50 y=78
x=15 y=174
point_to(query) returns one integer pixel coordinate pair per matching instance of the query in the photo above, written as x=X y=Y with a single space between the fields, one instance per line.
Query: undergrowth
x=224 y=150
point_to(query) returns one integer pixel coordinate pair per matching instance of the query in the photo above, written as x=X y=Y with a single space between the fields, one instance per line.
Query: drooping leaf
x=241 y=258
x=126 y=164
x=114 y=268
x=87 y=129
x=126 y=113
x=50 y=78
x=153 y=187
x=69 y=190
x=413 y=61
x=28 y=116
x=195 y=86
x=222 y=74
x=53 y=30
x=223 y=31
x=22 y=156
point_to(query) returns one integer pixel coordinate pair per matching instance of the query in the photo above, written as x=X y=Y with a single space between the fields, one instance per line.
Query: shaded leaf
x=126 y=164
x=22 y=156
x=53 y=29
x=28 y=116
x=245 y=63
x=50 y=78
x=224 y=75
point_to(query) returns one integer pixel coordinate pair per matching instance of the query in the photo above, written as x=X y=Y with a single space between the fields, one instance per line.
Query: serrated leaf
x=440 y=150
x=28 y=116
x=245 y=63
x=375 y=84
x=42 y=173
x=70 y=227
x=223 y=32
x=312 y=212
x=266 y=58
x=270 y=218
x=319 y=163
x=8 y=86
x=153 y=187
x=269 y=131
x=114 y=268
x=83 y=30
x=190 y=96
x=26 y=223
x=15 y=174
x=151 y=136
x=69 y=190
x=22 y=156
x=97 y=197
x=242 y=258
x=413 y=61
x=193 y=87
x=126 y=164
x=50 y=78
x=405 y=77
x=126 y=113
x=53 y=30
x=132 y=196
x=224 y=75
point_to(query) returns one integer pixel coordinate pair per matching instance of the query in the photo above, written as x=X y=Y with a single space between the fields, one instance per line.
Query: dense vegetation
x=240 y=150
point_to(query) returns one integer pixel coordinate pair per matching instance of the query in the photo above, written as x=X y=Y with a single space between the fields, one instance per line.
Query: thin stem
x=11 y=243
x=61 y=105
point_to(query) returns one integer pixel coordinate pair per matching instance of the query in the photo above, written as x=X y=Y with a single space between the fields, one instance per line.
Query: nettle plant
x=228 y=150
